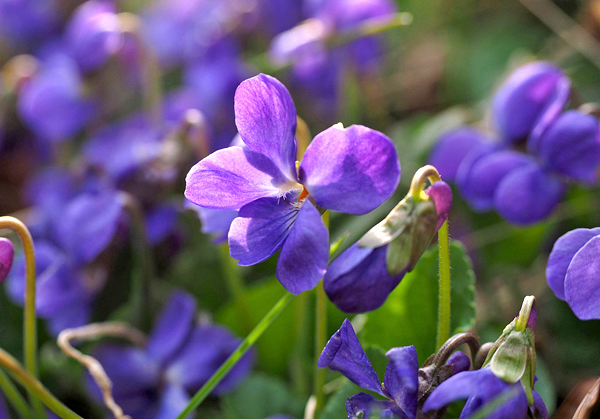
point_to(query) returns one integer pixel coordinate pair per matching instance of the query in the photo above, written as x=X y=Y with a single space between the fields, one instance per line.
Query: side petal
x=451 y=149
x=344 y=354
x=529 y=99
x=351 y=170
x=172 y=402
x=571 y=146
x=265 y=116
x=371 y=408
x=304 y=255
x=486 y=174
x=562 y=254
x=582 y=288
x=232 y=177
x=528 y=195
x=260 y=230
x=401 y=378
x=173 y=327
x=360 y=287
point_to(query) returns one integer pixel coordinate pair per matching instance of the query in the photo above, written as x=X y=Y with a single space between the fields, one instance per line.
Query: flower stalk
x=29 y=320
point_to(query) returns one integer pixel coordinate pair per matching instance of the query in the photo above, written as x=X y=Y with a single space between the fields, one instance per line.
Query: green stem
x=300 y=358
x=35 y=387
x=236 y=288
x=443 y=330
x=14 y=397
x=29 y=316
x=247 y=343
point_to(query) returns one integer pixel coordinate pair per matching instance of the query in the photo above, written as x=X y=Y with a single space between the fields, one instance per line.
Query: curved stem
x=29 y=316
x=418 y=181
x=453 y=343
x=14 y=397
x=35 y=387
x=444 y=296
x=247 y=343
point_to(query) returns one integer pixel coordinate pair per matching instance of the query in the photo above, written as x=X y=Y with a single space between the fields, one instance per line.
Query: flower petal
x=459 y=361
x=571 y=145
x=172 y=402
x=441 y=194
x=359 y=287
x=260 y=230
x=582 y=288
x=401 y=378
x=204 y=352
x=452 y=148
x=562 y=254
x=173 y=327
x=529 y=100
x=343 y=353
x=371 y=408
x=232 y=177
x=7 y=253
x=351 y=170
x=304 y=255
x=215 y=222
x=486 y=174
x=265 y=116
x=528 y=195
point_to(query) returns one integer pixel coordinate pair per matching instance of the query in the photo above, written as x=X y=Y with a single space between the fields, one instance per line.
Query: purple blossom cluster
x=528 y=113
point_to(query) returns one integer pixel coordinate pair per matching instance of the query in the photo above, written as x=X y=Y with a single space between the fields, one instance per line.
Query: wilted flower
x=572 y=271
x=345 y=169
x=181 y=355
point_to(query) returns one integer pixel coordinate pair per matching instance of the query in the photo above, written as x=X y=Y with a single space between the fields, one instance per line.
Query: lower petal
x=371 y=408
x=260 y=230
x=582 y=288
x=303 y=259
x=528 y=195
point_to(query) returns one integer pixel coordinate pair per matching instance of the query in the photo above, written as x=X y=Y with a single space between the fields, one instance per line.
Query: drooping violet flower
x=360 y=280
x=52 y=103
x=572 y=271
x=344 y=169
x=7 y=254
x=480 y=387
x=93 y=33
x=401 y=384
x=155 y=382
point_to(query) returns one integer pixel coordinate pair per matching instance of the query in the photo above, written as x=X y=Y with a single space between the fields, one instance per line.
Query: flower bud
x=7 y=253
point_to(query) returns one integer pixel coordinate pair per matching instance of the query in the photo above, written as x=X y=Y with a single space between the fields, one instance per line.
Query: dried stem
x=96 y=331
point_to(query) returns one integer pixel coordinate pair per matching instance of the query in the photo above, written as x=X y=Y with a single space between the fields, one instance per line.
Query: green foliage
x=409 y=316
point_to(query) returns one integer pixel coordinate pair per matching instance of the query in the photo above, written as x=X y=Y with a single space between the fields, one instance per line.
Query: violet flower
x=572 y=271
x=155 y=382
x=359 y=279
x=480 y=387
x=344 y=169
x=7 y=253
x=523 y=188
x=343 y=353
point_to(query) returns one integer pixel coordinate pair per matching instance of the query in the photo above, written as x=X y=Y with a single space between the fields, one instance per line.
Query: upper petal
x=571 y=145
x=358 y=280
x=452 y=148
x=305 y=252
x=562 y=254
x=582 y=288
x=260 y=229
x=232 y=177
x=343 y=353
x=173 y=327
x=265 y=116
x=528 y=195
x=401 y=378
x=529 y=100
x=352 y=169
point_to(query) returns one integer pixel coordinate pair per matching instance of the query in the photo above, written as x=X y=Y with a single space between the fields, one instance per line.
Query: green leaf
x=260 y=396
x=409 y=316
x=510 y=360
x=278 y=342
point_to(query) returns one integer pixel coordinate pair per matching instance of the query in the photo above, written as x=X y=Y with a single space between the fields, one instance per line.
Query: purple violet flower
x=181 y=355
x=572 y=271
x=7 y=254
x=359 y=280
x=344 y=169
